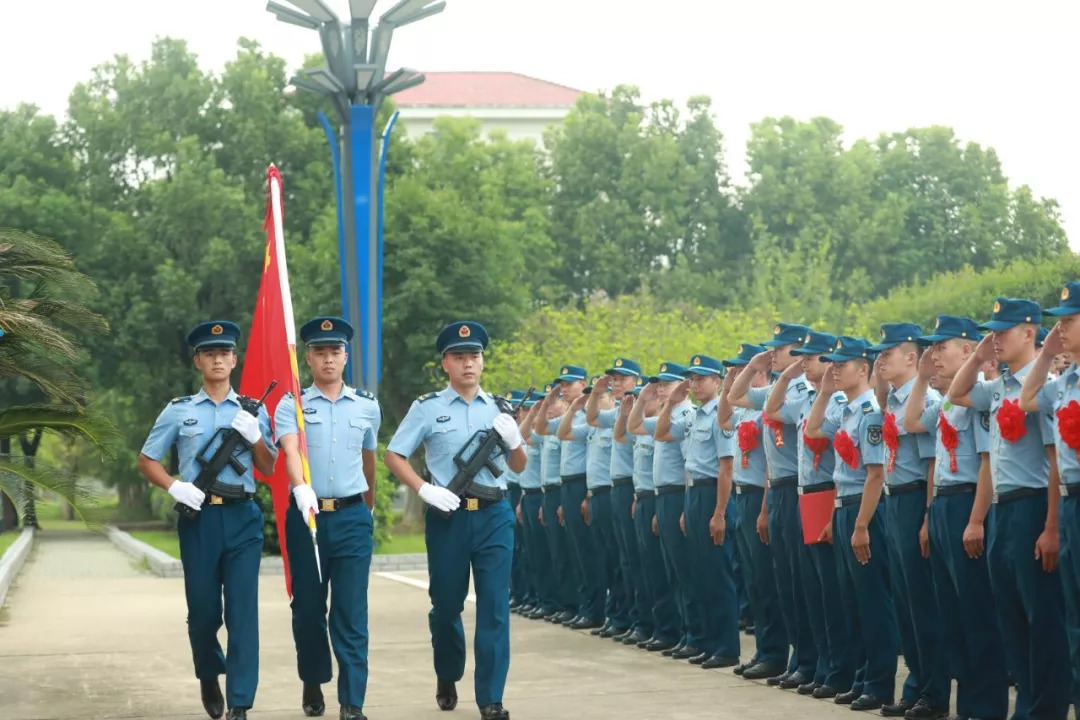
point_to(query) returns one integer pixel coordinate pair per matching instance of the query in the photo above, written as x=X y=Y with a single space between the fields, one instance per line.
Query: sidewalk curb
x=12 y=560
x=164 y=565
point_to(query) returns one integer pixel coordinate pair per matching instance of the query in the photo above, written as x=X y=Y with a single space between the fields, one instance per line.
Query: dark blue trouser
x=520 y=588
x=602 y=525
x=220 y=550
x=563 y=584
x=536 y=547
x=679 y=570
x=740 y=588
x=869 y=585
x=661 y=616
x=916 y=608
x=483 y=539
x=785 y=537
x=345 y=547
x=1030 y=605
x=830 y=626
x=622 y=500
x=966 y=606
x=1069 y=522
x=769 y=632
x=714 y=578
x=583 y=553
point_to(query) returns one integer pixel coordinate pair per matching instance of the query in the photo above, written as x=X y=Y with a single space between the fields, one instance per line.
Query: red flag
x=271 y=353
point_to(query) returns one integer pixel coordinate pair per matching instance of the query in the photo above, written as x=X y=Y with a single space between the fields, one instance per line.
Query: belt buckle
x=887 y=490
x=800 y=489
x=738 y=490
x=216 y=500
x=327 y=504
x=838 y=503
x=995 y=497
x=1063 y=490
x=472 y=504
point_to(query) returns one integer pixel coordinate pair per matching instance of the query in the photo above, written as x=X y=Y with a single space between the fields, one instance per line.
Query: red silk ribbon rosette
x=891 y=434
x=777 y=428
x=748 y=440
x=1068 y=419
x=846 y=449
x=1010 y=420
x=950 y=439
x=818 y=446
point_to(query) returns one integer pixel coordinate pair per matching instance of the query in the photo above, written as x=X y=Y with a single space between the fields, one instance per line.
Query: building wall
x=523 y=123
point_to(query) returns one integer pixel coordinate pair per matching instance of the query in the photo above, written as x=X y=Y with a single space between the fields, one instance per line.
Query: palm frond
x=62 y=420
x=15 y=471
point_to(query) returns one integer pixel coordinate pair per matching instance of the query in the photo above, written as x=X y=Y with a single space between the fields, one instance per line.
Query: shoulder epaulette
x=305 y=391
x=182 y=398
x=867 y=407
x=427 y=396
x=365 y=394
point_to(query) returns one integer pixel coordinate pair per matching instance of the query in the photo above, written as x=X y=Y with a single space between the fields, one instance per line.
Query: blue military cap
x=948 y=327
x=636 y=390
x=464 y=336
x=849 y=348
x=1070 y=301
x=747 y=351
x=705 y=365
x=514 y=395
x=816 y=343
x=787 y=334
x=534 y=398
x=327 y=330
x=1040 y=337
x=1010 y=312
x=624 y=366
x=216 y=334
x=571 y=373
x=669 y=372
x=893 y=334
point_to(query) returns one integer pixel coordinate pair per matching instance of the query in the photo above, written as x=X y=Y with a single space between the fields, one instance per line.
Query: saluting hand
x=985 y=350
x=648 y=392
x=680 y=392
x=1052 y=343
x=927 y=370
x=761 y=362
x=794 y=370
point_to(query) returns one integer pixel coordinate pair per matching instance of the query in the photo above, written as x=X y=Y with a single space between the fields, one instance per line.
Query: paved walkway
x=86 y=634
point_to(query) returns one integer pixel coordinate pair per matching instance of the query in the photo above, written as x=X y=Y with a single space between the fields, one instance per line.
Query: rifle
x=484 y=454
x=232 y=444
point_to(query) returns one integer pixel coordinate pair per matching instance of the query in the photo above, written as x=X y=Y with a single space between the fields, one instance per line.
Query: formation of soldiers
x=845 y=502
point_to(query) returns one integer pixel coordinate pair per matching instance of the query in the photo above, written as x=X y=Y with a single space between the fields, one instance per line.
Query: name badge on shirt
x=190 y=421
x=442 y=419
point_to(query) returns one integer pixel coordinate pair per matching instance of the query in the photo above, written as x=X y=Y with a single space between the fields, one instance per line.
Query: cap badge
x=997 y=307
x=663 y=368
x=839 y=344
x=618 y=363
x=217 y=330
x=565 y=371
x=776 y=330
x=464 y=331
x=697 y=360
x=1065 y=294
x=326 y=325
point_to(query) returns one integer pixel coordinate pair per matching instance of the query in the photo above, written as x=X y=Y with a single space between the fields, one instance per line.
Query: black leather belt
x=478 y=497
x=777 y=483
x=747 y=488
x=212 y=498
x=1071 y=490
x=665 y=489
x=1017 y=494
x=905 y=487
x=572 y=478
x=620 y=481
x=550 y=487
x=332 y=504
x=644 y=494
x=958 y=489
x=816 y=488
x=848 y=500
x=703 y=482
x=602 y=490
x=512 y=486
x=532 y=491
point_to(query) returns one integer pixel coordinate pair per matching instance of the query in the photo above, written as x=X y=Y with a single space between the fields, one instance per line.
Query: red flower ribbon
x=1068 y=419
x=818 y=446
x=950 y=439
x=891 y=434
x=846 y=449
x=1010 y=420
x=777 y=428
x=748 y=439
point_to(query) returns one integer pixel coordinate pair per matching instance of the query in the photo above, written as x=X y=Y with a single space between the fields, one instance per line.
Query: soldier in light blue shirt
x=1023 y=547
x=534 y=543
x=519 y=592
x=1060 y=397
x=858 y=527
x=961 y=579
x=907 y=467
x=745 y=427
x=782 y=498
x=341 y=427
x=481 y=533
x=220 y=547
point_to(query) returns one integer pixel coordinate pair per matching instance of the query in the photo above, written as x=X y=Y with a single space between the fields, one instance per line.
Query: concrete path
x=86 y=634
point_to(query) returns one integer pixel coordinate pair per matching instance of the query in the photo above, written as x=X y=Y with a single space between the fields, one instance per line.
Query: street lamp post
x=356 y=82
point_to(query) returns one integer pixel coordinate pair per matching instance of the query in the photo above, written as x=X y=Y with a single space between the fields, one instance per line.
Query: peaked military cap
x=464 y=336
x=1010 y=312
x=216 y=334
x=948 y=327
x=326 y=330
x=1070 y=301
x=1040 y=337
x=787 y=334
x=571 y=373
x=705 y=365
x=893 y=334
x=747 y=351
x=849 y=348
x=669 y=372
x=816 y=343
x=624 y=366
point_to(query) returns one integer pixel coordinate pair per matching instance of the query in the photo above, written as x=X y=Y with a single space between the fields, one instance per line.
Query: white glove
x=439 y=497
x=306 y=500
x=247 y=425
x=188 y=494
x=507 y=427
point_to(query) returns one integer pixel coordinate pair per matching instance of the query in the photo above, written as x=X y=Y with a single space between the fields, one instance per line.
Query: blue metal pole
x=335 y=157
x=360 y=165
x=382 y=210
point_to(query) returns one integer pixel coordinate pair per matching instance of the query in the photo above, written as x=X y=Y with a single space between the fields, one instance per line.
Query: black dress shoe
x=585 y=624
x=898 y=709
x=570 y=621
x=687 y=652
x=825 y=692
x=514 y=604
x=719 y=661
x=793 y=681
x=742 y=667
x=565 y=616
x=870 y=702
x=446 y=695
x=236 y=714
x=698 y=659
x=494 y=711
x=634 y=638
x=672 y=650
x=808 y=688
x=847 y=698
x=611 y=632
x=761 y=671
x=922 y=711
x=535 y=614
x=212 y=701
x=623 y=634
x=748 y=630
x=351 y=712
x=660 y=646
x=776 y=679
x=603 y=628
x=312 y=701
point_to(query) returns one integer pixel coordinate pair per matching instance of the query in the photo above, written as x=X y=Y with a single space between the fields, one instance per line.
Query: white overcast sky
x=997 y=72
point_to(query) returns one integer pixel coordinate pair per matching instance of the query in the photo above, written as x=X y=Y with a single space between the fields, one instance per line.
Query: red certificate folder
x=816 y=510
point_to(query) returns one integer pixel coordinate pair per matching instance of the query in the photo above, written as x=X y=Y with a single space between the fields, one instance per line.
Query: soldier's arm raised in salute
x=964 y=382
x=774 y=405
x=815 y=421
x=636 y=422
x=663 y=422
x=740 y=389
x=1040 y=371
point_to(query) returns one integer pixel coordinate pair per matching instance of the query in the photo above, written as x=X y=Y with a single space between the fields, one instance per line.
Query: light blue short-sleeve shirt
x=622 y=453
x=644 y=449
x=704 y=442
x=914 y=450
x=530 y=478
x=1053 y=396
x=781 y=458
x=575 y=453
x=861 y=419
x=669 y=463
x=814 y=469
x=972 y=437
x=552 y=455
x=598 y=463
x=749 y=467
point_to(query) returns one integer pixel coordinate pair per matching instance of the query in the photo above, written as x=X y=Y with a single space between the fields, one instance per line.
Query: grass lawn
x=6 y=539
x=403 y=543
